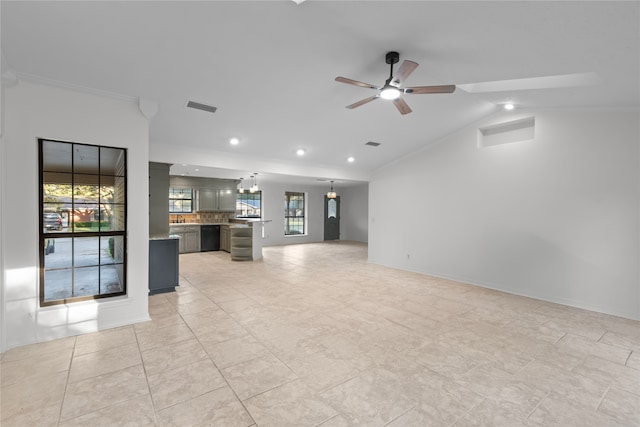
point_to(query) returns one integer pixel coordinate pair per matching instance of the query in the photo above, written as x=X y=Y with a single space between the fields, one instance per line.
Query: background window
x=82 y=221
x=180 y=200
x=294 y=213
x=249 y=205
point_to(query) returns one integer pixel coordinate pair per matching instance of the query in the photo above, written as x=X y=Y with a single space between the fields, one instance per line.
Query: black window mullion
x=76 y=239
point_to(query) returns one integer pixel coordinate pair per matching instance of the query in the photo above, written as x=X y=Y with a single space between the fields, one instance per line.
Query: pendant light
x=331 y=194
x=254 y=185
x=241 y=187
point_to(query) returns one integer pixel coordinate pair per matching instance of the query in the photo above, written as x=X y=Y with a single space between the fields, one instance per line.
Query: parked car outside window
x=51 y=221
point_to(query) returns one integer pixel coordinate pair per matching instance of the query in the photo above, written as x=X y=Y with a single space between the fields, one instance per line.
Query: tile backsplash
x=202 y=217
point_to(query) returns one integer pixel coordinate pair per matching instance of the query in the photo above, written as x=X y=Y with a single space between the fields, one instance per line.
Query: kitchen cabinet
x=189 y=237
x=216 y=200
x=241 y=243
x=227 y=200
x=163 y=265
x=208 y=200
x=225 y=238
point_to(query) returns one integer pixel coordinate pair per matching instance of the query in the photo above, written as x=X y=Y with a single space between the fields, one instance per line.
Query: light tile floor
x=313 y=335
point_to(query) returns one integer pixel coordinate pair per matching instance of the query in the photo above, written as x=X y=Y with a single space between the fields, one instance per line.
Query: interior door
x=331 y=218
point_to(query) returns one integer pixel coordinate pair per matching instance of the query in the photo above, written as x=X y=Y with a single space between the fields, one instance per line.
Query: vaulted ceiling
x=269 y=68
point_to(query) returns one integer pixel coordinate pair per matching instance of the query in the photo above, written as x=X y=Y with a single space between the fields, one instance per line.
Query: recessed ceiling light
x=197 y=170
x=509 y=106
x=234 y=141
x=300 y=152
x=351 y=160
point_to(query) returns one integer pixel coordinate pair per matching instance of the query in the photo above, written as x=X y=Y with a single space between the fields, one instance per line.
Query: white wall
x=35 y=111
x=354 y=213
x=556 y=218
x=273 y=209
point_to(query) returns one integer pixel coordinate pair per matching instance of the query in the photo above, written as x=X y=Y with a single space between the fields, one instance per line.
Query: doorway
x=331 y=218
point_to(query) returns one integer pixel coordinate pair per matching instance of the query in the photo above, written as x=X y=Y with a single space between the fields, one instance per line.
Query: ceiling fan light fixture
x=389 y=92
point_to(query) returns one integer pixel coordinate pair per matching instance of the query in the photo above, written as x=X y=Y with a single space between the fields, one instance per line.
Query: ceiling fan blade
x=355 y=82
x=417 y=90
x=402 y=106
x=405 y=71
x=362 y=102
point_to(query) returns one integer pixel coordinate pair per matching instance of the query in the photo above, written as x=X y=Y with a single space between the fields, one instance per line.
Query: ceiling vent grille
x=203 y=107
x=372 y=144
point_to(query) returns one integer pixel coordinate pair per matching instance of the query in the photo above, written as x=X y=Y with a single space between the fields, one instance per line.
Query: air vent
x=372 y=144
x=203 y=107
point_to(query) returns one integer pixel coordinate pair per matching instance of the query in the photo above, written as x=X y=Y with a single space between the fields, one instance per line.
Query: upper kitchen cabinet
x=216 y=200
x=211 y=194
x=227 y=200
x=207 y=200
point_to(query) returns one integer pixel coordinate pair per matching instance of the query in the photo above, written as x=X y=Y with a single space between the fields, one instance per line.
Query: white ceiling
x=269 y=67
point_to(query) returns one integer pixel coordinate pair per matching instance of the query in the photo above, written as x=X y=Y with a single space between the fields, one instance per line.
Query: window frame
x=192 y=199
x=239 y=196
x=99 y=234
x=288 y=218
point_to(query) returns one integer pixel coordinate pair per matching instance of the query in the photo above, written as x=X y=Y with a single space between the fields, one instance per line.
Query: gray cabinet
x=208 y=200
x=216 y=200
x=241 y=243
x=189 y=237
x=163 y=265
x=192 y=239
x=225 y=238
x=158 y=199
x=227 y=200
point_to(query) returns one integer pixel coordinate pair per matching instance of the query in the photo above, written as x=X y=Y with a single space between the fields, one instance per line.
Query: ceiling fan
x=392 y=89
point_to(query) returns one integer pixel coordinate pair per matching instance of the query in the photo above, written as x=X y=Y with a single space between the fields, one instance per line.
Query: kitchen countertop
x=173 y=224
x=192 y=224
x=171 y=236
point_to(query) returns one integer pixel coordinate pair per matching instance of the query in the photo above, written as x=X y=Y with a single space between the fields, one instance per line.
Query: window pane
x=57 y=253
x=248 y=205
x=111 y=279
x=59 y=284
x=52 y=221
x=180 y=200
x=331 y=208
x=56 y=156
x=107 y=188
x=119 y=189
x=85 y=159
x=111 y=217
x=85 y=188
x=111 y=250
x=86 y=251
x=86 y=281
x=111 y=161
x=57 y=187
x=85 y=218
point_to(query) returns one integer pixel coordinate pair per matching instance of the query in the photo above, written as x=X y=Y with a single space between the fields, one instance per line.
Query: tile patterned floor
x=313 y=335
